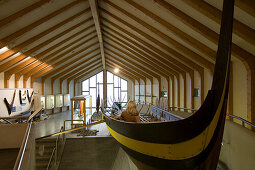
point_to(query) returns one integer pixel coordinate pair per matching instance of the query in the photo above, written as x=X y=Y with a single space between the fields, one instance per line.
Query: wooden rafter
x=44 y=70
x=127 y=66
x=38 y=36
x=184 y=36
x=154 y=65
x=39 y=56
x=246 y=5
x=135 y=76
x=133 y=72
x=29 y=52
x=22 y=12
x=94 y=10
x=139 y=48
x=240 y=29
x=81 y=64
x=174 y=54
x=7 y=39
x=188 y=53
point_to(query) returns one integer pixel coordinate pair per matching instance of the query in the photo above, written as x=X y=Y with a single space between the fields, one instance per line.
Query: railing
x=22 y=150
x=243 y=120
x=57 y=150
x=181 y=108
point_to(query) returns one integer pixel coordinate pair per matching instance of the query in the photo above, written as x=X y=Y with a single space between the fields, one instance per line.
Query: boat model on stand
x=190 y=143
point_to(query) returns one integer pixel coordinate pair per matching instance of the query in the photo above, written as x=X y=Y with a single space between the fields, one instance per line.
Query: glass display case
x=59 y=100
x=66 y=99
x=43 y=102
x=50 y=101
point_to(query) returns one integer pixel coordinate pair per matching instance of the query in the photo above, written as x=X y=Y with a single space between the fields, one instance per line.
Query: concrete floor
x=56 y=120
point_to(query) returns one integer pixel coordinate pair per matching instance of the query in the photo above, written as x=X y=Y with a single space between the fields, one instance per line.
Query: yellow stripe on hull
x=178 y=151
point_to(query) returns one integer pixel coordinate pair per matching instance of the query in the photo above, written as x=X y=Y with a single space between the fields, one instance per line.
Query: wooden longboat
x=191 y=143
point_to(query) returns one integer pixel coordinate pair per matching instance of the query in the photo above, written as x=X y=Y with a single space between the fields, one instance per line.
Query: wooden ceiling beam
x=238 y=52
x=189 y=53
x=142 y=60
x=144 y=57
x=45 y=59
x=122 y=66
x=40 y=71
x=76 y=68
x=83 y=74
x=127 y=65
x=22 y=12
x=184 y=36
x=94 y=10
x=42 y=34
x=77 y=72
x=41 y=54
x=161 y=55
x=137 y=47
x=29 y=52
x=240 y=29
x=121 y=72
x=142 y=65
x=132 y=73
x=51 y=61
x=174 y=53
x=247 y=6
x=4 y=41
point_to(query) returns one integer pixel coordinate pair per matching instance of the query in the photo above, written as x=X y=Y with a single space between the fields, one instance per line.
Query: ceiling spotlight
x=116 y=70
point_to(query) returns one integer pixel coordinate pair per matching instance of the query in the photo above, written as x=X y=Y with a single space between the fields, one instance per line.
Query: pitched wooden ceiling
x=67 y=39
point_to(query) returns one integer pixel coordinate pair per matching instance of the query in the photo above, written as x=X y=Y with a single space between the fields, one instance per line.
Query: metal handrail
x=239 y=118
x=230 y=116
x=25 y=140
x=51 y=157
x=182 y=108
x=55 y=151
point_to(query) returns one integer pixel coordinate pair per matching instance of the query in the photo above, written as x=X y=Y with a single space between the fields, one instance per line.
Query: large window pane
x=85 y=85
x=93 y=93
x=110 y=93
x=93 y=81
x=123 y=84
x=124 y=96
x=116 y=81
x=117 y=94
x=100 y=78
x=101 y=91
x=85 y=93
x=109 y=77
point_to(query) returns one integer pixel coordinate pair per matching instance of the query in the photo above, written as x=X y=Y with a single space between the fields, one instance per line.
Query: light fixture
x=116 y=70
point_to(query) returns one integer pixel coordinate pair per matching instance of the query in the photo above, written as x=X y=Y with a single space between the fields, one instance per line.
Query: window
x=93 y=86
x=117 y=89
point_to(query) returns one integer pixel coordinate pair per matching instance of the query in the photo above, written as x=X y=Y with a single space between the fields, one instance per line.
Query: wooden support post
x=52 y=86
x=159 y=87
x=179 y=91
x=173 y=92
x=16 y=81
x=202 y=76
x=152 y=90
x=139 y=83
x=145 y=90
x=43 y=81
x=72 y=113
x=74 y=87
x=168 y=91
x=105 y=85
x=185 y=91
x=192 y=88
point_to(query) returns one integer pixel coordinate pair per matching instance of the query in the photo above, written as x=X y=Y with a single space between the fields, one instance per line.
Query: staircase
x=44 y=148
